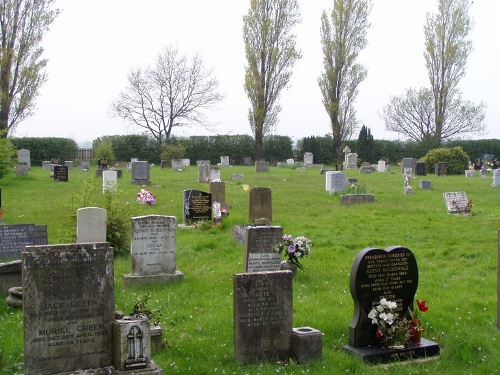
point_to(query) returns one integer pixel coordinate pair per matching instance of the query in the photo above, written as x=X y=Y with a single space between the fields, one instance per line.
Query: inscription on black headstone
x=392 y=274
x=420 y=169
x=61 y=173
x=197 y=206
x=13 y=239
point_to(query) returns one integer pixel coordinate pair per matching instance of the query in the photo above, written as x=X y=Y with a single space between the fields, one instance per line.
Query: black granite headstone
x=420 y=169
x=61 y=173
x=197 y=206
x=13 y=239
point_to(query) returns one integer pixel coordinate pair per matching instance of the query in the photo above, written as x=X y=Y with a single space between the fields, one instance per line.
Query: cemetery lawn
x=456 y=255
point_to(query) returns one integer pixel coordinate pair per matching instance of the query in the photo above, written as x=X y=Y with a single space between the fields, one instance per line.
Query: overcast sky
x=93 y=44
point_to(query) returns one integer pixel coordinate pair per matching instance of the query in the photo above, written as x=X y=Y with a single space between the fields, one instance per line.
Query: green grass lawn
x=456 y=255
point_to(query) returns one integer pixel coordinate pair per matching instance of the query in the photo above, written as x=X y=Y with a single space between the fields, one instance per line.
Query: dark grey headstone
x=218 y=192
x=61 y=173
x=247 y=161
x=13 y=239
x=262 y=166
x=141 y=173
x=203 y=173
x=420 y=169
x=260 y=248
x=68 y=293
x=441 y=169
x=260 y=207
x=197 y=206
x=263 y=320
x=375 y=274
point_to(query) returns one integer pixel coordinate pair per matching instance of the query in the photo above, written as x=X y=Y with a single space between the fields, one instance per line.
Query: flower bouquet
x=146 y=197
x=392 y=330
x=416 y=322
x=294 y=249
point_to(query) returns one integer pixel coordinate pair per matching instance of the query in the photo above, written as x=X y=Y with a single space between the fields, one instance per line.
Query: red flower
x=379 y=334
x=421 y=306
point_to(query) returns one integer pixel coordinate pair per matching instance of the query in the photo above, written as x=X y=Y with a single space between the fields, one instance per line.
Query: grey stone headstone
x=263 y=316
x=247 y=161
x=141 y=173
x=496 y=177
x=202 y=162
x=177 y=164
x=132 y=345
x=408 y=163
x=69 y=164
x=85 y=165
x=215 y=174
x=14 y=237
x=203 y=173
x=260 y=205
x=68 y=312
x=109 y=180
x=24 y=156
x=91 y=224
x=336 y=182
x=237 y=176
x=22 y=169
x=441 y=169
x=352 y=161
x=224 y=161
x=381 y=166
x=260 y=248
x=455 y=201
x=186 y=162
x=262 y=166
x=46 y=164
x=308 y=158
x=218 y=192
x=424 y=184
x=470 y=173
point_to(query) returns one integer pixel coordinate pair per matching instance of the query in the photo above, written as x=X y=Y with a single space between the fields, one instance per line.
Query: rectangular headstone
x=68 y=307
x=336 y=182
x=441 y=169
x=218 y=192
x=24 y=156
x=408 y=163
x=109 y=181
x=224 y=161
x=424 y=184
x=197 y=206
x=237 y=176
x=262 y=316
x=177 y=164
x=13 y=239
x=215 y=174
x=262 y=166
x=85 y=165
x=470 y=173
x=260 y=248
x=202 y=162
x=420 y=169
x=203 y=173
x=91 y=224
x=455 y=201
x=496 y=178
x=69 y=164
x=308 y=158
x=381 y=166
x=260 y=207
x=46 y=164
x=61 y=173
x=22 y=169
x=141 y=173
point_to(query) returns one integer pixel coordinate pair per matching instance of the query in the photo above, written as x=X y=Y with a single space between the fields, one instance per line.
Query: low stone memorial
x=69 y=164
x=91 y=224
x=263 y=316
x=390 y=274
x=456 y=202
x=470 y=173
x=420 y=168
x=46 y=164
x=153 y=251
x=14 y=237
x=141 y=173
x=262 y=166
x=203 y=173
x=22 y=169
x=237 y=176
x=424 y=184
x=61 y=173
x=348 y=199
x=202 y=162
x=197 y=206
x=260 y=207
x=24 y=156
x=308 y=158
x=109 y=181
x=68 y=293
x=307 y=344
x=261 y=253
x=218 y=192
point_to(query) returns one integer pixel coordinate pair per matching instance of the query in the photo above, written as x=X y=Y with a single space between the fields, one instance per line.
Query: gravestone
x=483 y=173
x=186 y=163
x=141 y=173
x=132 y=344
x=14 y=237
x=203 y=173
x=407 y=163
x=496 y=178
x=261 y=253
x=308 y=158
x=224 y=161
x=424 y=184
x=218 y=192
x=441 y=169
x=109 y=181
x=61 y=173
x=215 y=174
x=260 y=206
x=262 y=316
x=456 y=202
x=10 y=275
x=153 y=251
x=290 y=162
x=352 y=161
x=68 y=293
x=237 y=176
x=102 y=164
x=420 y=169
x=376 y=274
x=202 y=162
x=197 y=206
x=470 y=173
x=336 y=182
x=85 y=165
x=22 y=169
x=69 y=164
x=91 y=224
x=46 y=164
x=478 y=164
x=381 y=166
x=247 y=161
x=262 y=166
x=177 y=164
x=24 y=156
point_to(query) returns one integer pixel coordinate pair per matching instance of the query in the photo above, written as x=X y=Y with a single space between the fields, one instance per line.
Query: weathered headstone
x=263 y=316
x=260 y=248
x=224 y=161
x=420 y=168
x=336 y=182
x=109 y=180
x=46 y=164
x=375 y=274
x=290 y=162
x=352 y=161
x=202 y=162
x=247 y=161
x=69 y=164
x=483 y=173
x=61 y=173
x=186 y=163
x=177 y=164
x=24 y=156
x=496 y=178
x=102 y=164
x=218 y=192
x=153 y=251
x=132 y=338
x=381 y=166
x=85 y=165
x=407 y=163
x=14 y=237
x=237 y=176
x=215 y=174
x=470 y=173
x=141 y=173
x=308 y=158
x=262 y=166
x=91 y=224
x=260 y=206
x=203 y=173
x=456 y=202
x=197 y=206
x=424 y=184
x=22 y=169
x=441 y=169
x=68 y=293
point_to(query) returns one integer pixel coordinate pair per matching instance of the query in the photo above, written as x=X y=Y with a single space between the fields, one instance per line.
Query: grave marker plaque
x=13 y=239
x=61 y=173
x=456 y=202
x=197 y=206
x=260 y=248
x=262 y=316
x=68 y=296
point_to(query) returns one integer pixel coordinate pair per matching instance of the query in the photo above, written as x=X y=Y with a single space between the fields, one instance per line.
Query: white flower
x=390 y=318
x=372 y=314
x=383 y=316
x=380 y=308
x=383 y=302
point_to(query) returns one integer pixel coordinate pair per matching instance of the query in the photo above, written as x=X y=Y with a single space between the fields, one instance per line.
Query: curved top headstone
x=375 y=274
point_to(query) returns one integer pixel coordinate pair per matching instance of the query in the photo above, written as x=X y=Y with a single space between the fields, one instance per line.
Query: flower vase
x=288 y=265
x=416 y=331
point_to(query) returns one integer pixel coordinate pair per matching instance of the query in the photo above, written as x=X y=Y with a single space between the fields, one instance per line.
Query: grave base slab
x=376 y=354
x=164 y=278
x=153 y=369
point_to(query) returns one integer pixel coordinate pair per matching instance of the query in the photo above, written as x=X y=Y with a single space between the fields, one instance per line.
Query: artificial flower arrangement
x=392 y=330
x=416 y=323
x=294 y=249
x=146 y=197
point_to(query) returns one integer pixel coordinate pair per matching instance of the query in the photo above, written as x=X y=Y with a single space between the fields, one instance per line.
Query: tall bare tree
x=23 y=24
x=271 y=54
x=446 y=51
x=174 y=93
x=343 y=36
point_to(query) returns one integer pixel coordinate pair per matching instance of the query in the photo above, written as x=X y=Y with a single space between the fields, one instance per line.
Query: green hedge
x=47 y=148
